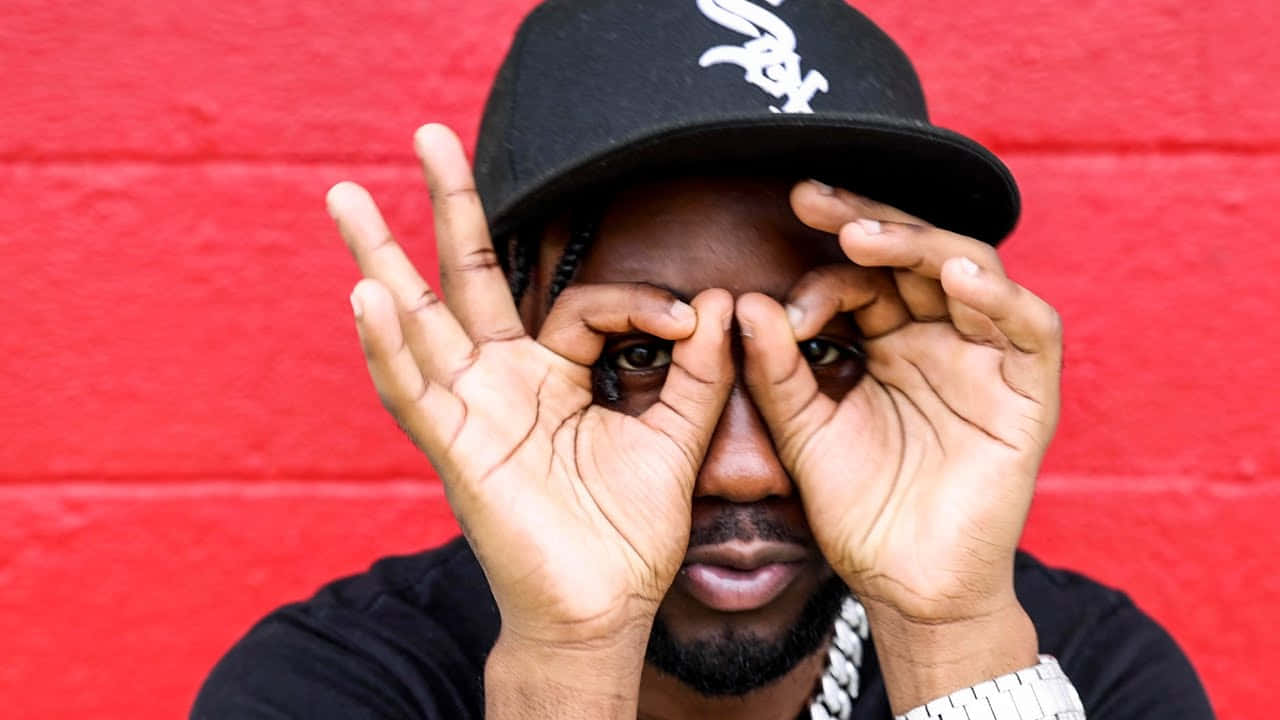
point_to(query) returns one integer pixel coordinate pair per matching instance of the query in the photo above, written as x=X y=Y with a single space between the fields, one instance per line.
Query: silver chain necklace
x=834 y=697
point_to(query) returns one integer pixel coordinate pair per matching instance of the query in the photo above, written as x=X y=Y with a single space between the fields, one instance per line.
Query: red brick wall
x=187 y=437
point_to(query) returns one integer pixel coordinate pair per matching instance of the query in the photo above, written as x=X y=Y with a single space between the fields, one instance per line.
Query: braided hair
x=518 y=263
x=522 y=251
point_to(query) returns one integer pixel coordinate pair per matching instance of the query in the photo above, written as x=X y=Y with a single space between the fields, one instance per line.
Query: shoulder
x=1124 y=664
x=406 y=639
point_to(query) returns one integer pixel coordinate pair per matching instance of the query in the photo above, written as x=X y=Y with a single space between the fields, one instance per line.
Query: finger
x=584 y=315
x=1030 y=324
x=474 y=286
x=776 y=374
x=828 y=209
x=824 y=292
x=906 y=246
x=425 y=410
x=699 y=377
x=429 y=329
x=371 y=243
x=975 y=327
x=940 y=385
x=922 y=295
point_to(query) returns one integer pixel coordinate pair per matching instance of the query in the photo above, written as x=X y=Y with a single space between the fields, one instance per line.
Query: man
x=711 y=430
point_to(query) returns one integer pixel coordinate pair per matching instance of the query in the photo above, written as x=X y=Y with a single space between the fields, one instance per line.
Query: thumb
x=698 y=379
x=777 y=375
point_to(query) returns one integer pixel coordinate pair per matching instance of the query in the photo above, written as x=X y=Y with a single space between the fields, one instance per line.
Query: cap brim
x=932 y=173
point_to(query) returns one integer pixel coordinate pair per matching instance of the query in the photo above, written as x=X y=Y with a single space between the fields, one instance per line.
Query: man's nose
x=741 y=464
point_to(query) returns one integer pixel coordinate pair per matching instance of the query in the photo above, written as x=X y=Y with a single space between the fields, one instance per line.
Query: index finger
x=922 y=249
x=828 y=290
x=828 y=209
x=584 y=315
x=875 y=234
x=474 y=285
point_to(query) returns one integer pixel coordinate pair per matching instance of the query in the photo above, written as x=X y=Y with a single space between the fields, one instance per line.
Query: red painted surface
x=187 y=437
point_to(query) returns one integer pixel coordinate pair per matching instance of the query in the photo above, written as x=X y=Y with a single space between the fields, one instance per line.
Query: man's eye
x=642 y=356
x=818 y=352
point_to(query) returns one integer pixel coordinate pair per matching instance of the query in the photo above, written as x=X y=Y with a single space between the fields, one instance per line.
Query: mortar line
x=401 y=486
x=392 y=487
x=406 y=161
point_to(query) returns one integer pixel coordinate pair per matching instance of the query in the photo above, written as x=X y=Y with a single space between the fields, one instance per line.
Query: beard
x=734 y=662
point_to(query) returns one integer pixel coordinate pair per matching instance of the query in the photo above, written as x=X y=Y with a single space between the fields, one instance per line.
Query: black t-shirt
x=408 y=640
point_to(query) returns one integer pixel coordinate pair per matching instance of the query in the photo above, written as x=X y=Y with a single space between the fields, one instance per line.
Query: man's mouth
x=737 y=576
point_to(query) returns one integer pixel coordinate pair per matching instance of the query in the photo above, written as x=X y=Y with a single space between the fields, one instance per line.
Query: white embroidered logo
x=769 y=58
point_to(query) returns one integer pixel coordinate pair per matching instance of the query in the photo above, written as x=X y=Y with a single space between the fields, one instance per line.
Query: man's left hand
x=918 y=481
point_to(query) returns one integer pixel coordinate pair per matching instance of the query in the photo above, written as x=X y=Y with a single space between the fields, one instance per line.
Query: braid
x=521 y=251
x=583 y=226
x=517 y=262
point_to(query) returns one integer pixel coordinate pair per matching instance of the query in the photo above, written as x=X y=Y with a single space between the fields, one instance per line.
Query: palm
x=590 y=486
x=943 y=452
x=918 y=480
x=578 y=515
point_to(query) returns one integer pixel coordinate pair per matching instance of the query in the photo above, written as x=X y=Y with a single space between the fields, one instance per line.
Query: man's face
x=755 y=595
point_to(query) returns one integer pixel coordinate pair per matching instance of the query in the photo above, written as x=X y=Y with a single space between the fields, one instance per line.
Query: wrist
x=581 y=678
x=923 y=659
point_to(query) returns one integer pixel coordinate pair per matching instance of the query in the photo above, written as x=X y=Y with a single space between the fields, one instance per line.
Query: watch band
x=1040 y=692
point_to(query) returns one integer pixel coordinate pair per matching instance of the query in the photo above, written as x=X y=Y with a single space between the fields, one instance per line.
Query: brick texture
x=189 y=438
x=326 y=79
x=192 y=322
x=119 y=599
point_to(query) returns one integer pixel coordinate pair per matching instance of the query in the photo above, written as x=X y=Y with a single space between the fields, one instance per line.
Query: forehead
x=689 y=234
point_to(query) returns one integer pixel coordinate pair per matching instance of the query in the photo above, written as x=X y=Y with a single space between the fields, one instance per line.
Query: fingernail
x=823 y=188
x=682 y=311
x=357 y=307
x=968 y=267
x=727 y=321
x=869 y=226
x=794 y=316
x=746 y=330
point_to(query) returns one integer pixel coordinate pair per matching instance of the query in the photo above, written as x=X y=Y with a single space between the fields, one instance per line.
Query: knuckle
x=644 y=298
x=814 y=282
x=987 y=256
x=482 y=260
x=1051 y=323
x=644 y=292
x=501 y=335
x=385 y=242
x=710 y=379
x=425 y=301
x=465 y=193
x=867 y=207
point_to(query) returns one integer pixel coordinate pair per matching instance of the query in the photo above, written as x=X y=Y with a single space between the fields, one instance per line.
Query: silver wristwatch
x=1041 y=692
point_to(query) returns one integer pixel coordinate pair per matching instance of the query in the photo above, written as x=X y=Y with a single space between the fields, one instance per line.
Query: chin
x=721 y=653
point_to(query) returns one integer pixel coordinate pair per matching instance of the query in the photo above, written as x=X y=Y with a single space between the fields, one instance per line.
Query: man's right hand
x=579 y=515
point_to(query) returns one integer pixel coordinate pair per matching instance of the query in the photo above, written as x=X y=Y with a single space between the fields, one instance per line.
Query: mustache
x=745 y=523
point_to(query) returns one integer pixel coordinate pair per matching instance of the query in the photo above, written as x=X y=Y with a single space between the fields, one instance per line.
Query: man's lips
x=737 y=576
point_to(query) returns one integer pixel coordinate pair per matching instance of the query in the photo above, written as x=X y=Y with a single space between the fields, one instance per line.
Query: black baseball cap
x=593 y=92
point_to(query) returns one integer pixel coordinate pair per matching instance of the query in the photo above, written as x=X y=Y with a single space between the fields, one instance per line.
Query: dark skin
x=913 y=483
x=740 y=235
